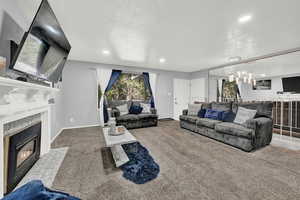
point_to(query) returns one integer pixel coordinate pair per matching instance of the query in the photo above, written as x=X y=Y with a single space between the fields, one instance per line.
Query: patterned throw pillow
x=123 y=109
x=134 y=109
x=213 y=114
x=193 y=109
x=146 y=108
x=244 y=114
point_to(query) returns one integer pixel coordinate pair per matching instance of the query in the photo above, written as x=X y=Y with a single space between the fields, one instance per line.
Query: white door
x=198 y=91
x=181 y=96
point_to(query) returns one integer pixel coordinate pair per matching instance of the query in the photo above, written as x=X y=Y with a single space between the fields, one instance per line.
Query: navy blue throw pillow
x=201 y=113
x=228 y=116
x=135 y=109
x=214 y=114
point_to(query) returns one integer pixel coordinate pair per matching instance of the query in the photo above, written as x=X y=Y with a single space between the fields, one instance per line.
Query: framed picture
x=263 y=85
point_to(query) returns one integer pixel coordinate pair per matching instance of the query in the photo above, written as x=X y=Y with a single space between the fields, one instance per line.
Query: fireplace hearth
x=21 y=151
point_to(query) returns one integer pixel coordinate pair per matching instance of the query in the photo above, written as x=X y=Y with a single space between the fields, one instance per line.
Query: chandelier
x=245 y=77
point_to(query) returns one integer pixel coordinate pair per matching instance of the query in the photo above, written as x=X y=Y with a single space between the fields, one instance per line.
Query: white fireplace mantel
x=25 y=85
x=16 y=96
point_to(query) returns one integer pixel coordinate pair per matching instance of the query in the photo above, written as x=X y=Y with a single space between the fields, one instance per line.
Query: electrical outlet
x=71 y=119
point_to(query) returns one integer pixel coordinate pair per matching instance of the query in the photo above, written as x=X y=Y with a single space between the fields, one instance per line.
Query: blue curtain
x=148 y=86
x=113 y=79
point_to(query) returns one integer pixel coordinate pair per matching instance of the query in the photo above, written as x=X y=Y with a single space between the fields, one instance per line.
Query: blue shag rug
x=35 y=190
x=141 y=167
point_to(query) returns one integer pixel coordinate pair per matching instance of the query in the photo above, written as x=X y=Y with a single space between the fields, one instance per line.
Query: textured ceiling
x=190 y=35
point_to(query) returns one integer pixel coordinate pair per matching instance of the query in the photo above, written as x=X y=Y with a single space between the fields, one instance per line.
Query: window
x=129 y=87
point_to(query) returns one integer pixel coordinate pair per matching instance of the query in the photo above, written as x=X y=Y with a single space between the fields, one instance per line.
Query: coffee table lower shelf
x=119 y=155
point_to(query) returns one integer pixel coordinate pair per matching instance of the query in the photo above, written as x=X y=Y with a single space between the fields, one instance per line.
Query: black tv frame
x=292 y=77
x=20 y=46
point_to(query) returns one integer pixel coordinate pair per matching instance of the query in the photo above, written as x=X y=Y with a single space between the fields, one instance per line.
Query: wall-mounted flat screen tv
x=44 y=49
x=291 y=84
x=263 y=85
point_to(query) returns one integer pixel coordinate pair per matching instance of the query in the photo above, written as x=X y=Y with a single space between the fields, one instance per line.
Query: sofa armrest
x=115 y=112
x=263 y=129
x=153 y=111
x=185 y=112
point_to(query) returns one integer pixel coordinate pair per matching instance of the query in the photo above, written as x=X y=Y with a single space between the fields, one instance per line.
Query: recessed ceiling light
x=105 y=52
x=162 y=60
x=263 y=75
x=235 y=59
x=245 y=18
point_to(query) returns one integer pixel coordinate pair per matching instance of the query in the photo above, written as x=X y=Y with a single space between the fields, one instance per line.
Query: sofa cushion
x=188 y=118
x=146 y=107
x=123 y=109
x=264 y=109
x=146 y=116
x=234 y=129
x=206 y=105
x=244 y=114
x=213 y=114
x=209 y=123
x=128 y=117
x=135 y=109
x=227 y=106
x=193 y=109
x=115 y=103
x=201 y=113
x=228 y=116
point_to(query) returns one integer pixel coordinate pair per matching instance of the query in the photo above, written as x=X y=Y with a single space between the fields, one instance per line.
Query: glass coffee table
x=114 y=142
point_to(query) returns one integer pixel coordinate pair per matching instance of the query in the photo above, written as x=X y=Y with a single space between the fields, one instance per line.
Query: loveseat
x=131 y=121
x=252 y=135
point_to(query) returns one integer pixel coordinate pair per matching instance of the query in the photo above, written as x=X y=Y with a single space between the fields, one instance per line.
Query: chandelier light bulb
x=249 y=80
x=250 y=76
x=231 y=78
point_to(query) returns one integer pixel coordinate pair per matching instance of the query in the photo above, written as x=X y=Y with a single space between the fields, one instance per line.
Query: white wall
x=203 y=74
x=79 y=92
x=248 y=94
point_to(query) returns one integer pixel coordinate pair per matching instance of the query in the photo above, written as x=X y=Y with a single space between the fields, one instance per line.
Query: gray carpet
x=192 y=167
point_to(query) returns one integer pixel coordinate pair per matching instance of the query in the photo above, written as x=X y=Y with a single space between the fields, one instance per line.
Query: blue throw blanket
x=35 y=190
x=141 y=167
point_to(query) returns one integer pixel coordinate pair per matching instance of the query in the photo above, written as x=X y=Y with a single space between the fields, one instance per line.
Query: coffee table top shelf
x=112 y=140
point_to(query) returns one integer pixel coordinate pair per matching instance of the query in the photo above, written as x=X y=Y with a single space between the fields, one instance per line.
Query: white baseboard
x=83 y=126
x=58 y=133
x=71 y=127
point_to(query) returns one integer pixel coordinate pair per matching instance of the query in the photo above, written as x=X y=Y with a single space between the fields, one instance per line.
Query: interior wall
x=202 y=74
x=248 y=94
x=79 y=91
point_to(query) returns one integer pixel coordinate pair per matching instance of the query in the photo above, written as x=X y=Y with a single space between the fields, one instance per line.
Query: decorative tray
x=120 y=130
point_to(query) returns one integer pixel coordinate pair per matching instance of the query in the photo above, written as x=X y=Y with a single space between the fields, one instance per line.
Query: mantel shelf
x=24 y=85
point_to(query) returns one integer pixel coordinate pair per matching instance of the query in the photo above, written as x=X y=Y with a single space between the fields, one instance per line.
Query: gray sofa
x=252 y=135
x=131 y=121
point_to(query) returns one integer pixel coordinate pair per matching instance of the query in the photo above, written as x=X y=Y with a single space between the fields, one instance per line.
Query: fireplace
x=21 y=151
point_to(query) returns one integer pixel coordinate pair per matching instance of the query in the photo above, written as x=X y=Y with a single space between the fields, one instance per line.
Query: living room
x=108 y=100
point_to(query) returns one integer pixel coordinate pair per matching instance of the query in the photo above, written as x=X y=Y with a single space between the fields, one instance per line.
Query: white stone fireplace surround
x=19 y=100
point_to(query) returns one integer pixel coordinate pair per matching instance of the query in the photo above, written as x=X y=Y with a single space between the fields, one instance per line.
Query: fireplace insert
x=22 y=150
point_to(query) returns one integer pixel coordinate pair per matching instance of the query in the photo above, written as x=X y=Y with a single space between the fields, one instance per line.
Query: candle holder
x=2 y=65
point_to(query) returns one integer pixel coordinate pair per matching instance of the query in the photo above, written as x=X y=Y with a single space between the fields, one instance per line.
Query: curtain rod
x=128 y=71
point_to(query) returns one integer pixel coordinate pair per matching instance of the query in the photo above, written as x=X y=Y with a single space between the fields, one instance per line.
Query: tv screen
x=291 y=84
x=44 y=48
